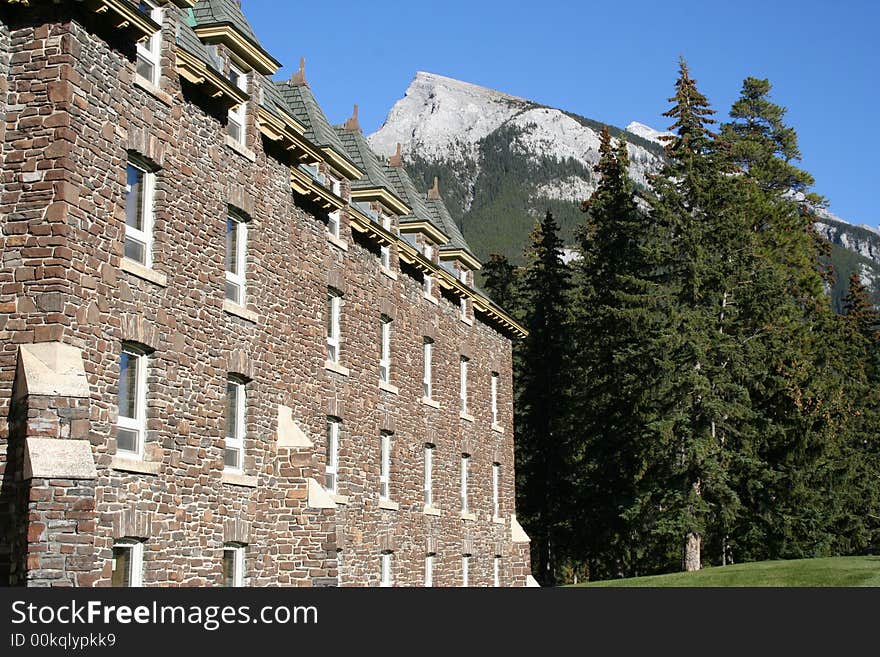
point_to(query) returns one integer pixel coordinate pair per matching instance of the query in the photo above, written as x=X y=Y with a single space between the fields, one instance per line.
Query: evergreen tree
x=501 y=281
x=544 y=430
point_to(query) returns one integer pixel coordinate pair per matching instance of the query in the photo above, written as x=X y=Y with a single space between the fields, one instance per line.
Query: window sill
x=388 y=505
x=467 y=418
x=336 y=367
x=340 y=499
x=497 y=428
x=135 y=465
x=240 y=148
x=152 y=89
x=387 y=387
x=467 y=320
x=498 y=520
x=431 y=511
x=146 y=273
x=236 y=479
x=432 y=299
x=240 y=311
x=387 y=272
x=468 y=516
x=430 y=402
x=338 y=243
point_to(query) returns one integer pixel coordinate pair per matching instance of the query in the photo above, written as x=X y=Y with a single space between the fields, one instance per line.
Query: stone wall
x=74 y=113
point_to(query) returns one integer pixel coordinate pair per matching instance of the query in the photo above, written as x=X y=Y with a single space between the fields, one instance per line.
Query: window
x=148 y=49
x=233 y=565
x=236 y=255
x=132 y=422
x=332 y=453
x=463 y=373
x=385 y=350
x=494 y=395
x=465 y=463
x=465 y=570
x=463 y=304
x=429 y=474
x=128 y=563
x=385 y=250
x=334 y=302
x=235 y=427
x=429 y=569
x=236 y=123
x=428 y=351
x=140 y=185
x=333 y=218
x=385 y=577
x=496 y=480
x=428 y=280
x=384 y=466
x=496 y=571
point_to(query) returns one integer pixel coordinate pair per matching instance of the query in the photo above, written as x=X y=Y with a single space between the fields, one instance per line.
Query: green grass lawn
x=834 y=571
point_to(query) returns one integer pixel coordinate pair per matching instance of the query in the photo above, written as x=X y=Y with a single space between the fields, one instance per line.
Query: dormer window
x=236 y=122
x=385 y=250
x=148 y=49
x=335 y=185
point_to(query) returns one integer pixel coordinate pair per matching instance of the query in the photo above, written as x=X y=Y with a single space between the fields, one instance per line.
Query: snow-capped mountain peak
x=646 y=132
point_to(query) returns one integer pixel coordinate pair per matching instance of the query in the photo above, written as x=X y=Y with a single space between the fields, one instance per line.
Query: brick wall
x=73 y=113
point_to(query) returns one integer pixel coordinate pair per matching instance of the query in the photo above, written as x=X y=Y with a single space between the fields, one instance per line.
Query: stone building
x=236 y=347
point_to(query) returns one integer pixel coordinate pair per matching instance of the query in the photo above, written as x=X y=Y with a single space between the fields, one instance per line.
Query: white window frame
x=136 y=557
x=465 y=570
x=385 y=466
x=465 y=466
x=463 y=276
x=494 y=397
x=386 y=576
x=238 y=115
x=496 y=571
x=385 y=350
x=331 y=479
x=334 y=302
x=334 y=219
x=496 y=484
x=385 y=250
x=239 y=278
x=139 y=423
x=428 y=282
x=237 y=442
x=428 y=355
x=429 y=569
x=144 y=235
x=463 y=377
x=150 y=47
x=429 y=474
x=238 y=555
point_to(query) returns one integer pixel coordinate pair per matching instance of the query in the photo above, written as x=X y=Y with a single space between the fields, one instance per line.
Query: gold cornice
x=342 y=164
x=199 y=73
x=303 y=184
x=249 y=52
x=461 y=255
x=425 y=227
x=279 y=129
x=389 y=200
x=127 y=17
x=371 y=229
x=184 y=4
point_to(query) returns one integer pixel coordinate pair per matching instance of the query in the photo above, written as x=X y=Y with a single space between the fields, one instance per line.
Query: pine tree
x=544 y=430
x=501 y=281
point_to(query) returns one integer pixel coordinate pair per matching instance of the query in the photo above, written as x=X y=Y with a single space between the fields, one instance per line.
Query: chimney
x=396 y=160
x=434 y=192
x=299 y=78
x=351 y=124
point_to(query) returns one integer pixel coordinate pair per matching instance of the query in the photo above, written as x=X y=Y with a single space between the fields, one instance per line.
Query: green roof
x=362 y=155
x=216 y=12
x=305 y=109
x=405 y=189
x=444 y=220
x=188 y=40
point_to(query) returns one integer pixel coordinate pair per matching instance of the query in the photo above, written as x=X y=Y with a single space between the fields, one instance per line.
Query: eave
x=342 y=164
x=289 y=135
x=462 y=256
x=249 y=52
x=184 y=4
x=383 y=196
x=426 y=228
x=498 y=316
x=126 y=17
x=191 y=68
x=372 y=230
x=303 y=184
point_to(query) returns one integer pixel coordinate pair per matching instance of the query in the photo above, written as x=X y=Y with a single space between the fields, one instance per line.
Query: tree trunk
x=691 y=557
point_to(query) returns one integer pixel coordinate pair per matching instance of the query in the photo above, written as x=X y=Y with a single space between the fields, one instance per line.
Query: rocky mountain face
x=503 y=161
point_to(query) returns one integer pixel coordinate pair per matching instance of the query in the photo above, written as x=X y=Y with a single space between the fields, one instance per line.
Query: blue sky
x=614 y=62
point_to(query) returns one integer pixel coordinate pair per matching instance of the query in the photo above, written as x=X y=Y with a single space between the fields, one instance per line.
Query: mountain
x=503 y=161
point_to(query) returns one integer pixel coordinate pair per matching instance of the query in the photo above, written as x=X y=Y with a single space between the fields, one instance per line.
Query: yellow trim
x=463 y=256
x=345 y=166
x=363 y=224
x=255 y=56
x=278 y=129
x=391 y=201
x=426 y=227
x=196 y=71
x=184 y=4
x=128 y=16
x=303 y=184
